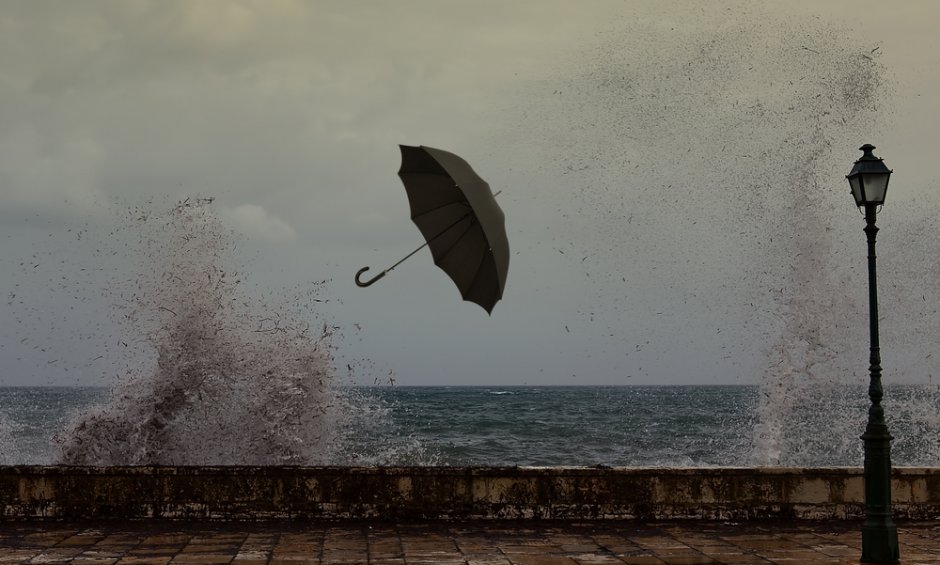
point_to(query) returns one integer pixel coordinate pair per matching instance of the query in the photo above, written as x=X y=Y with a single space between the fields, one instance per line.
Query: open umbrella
x=458 y=215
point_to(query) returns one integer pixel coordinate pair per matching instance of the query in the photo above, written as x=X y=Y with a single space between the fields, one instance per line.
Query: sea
x=623 y=426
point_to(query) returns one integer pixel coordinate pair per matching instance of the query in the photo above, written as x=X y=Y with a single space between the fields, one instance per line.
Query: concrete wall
x=397 y=493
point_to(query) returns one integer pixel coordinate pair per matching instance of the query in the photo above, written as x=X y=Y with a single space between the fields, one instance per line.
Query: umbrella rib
x=479 y=272
x=441 y=207
x=452 y=247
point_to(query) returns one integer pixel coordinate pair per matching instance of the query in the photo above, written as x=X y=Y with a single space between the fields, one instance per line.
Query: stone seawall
x=402 y=493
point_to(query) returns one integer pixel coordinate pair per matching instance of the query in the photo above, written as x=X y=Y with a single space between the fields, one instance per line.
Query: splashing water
x=704 y=151
x=9 y=452
x=232 y=378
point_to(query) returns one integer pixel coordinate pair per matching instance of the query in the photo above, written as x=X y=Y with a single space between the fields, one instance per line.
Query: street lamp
x=869 y=183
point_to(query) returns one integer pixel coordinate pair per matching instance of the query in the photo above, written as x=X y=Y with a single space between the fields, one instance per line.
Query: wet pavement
x=469 y=543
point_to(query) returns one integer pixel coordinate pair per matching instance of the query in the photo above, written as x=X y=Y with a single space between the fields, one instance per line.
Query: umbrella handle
x=370 y=281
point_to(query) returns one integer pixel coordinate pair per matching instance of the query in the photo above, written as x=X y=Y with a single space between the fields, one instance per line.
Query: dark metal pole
x=879 y=533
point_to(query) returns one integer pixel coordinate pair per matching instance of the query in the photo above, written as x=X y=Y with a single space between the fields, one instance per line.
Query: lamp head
x=869 y=178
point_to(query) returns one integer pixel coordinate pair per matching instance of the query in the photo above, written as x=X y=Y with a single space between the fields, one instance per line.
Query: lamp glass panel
x=855 y=184
x=876 y=185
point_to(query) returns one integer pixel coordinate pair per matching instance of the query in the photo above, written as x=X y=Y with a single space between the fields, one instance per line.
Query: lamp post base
x=880 y=541
x=879 y=532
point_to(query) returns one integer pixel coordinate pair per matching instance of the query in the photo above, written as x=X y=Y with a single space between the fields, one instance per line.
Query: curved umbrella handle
x=400 y=261
x=370 y=281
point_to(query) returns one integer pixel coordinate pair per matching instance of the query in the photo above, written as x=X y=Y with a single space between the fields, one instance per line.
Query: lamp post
x=869 y=183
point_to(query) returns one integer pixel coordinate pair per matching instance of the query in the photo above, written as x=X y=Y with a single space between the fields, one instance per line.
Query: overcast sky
x=672 y=176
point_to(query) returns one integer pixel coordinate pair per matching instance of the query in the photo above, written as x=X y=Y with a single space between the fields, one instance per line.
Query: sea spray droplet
x=231 y=378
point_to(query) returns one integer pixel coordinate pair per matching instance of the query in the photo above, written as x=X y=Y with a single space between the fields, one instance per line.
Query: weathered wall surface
x=401 y=493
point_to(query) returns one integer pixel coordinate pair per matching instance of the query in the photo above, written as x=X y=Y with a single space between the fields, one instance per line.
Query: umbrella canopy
x=458 y=215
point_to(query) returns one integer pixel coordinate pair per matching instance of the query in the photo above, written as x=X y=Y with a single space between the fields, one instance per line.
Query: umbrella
x=458 y=215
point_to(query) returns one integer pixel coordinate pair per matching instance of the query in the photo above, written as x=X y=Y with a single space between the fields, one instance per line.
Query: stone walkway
x=444 y=543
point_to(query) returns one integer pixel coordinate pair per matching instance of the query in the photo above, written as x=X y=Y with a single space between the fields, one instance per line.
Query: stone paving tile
x=132 y=560
x=643 y=560
x=452 y=543
x=486 y=559
x=202 y=558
